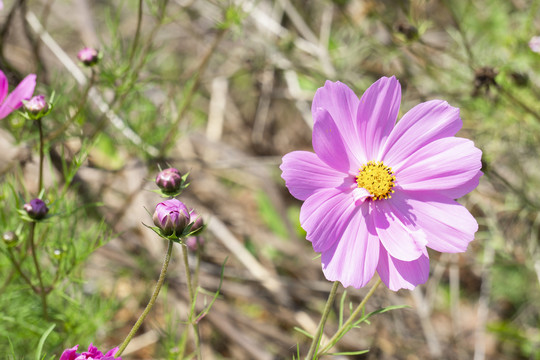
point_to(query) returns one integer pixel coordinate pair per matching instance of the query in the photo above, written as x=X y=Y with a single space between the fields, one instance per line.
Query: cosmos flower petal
x=23 y=91
x=69 y=354
x=342 y=104
x=397 y=274
x=325 y=216
x=445 y=165
x=396 y=230
x=377 y=114
x=329 y=144
x=421 y=125
x=448 y=225
x=304 y=173
x=353 y=259
x=3 y=86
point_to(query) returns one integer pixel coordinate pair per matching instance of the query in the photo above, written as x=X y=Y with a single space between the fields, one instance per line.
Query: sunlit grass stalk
x=192 y=90
x=320 y=328
x=150 y=303
x=350 y=322
x=192 y=300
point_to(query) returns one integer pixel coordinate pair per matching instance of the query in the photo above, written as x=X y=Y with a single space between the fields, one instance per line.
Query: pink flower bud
x=37 y=105
x=171 y=216
x=197 y=220
x=88 y=56
x=36 y=209
x=169 y=180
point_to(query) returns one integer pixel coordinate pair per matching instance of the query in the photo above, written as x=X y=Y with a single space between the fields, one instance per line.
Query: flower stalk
x=150 y=303
x=350 y=322
x=318 y=334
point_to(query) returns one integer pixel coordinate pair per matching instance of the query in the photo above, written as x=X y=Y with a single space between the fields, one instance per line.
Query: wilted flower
x=376 y=193
x=534 y=44
x=88 y=56
x=171 y=216
x=13 y=101
x=36 y=209
x=169 y=180
x=92 y=354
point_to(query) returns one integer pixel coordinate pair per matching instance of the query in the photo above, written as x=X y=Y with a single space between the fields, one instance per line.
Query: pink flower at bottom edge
x=13 y=101
x=92 y=354
x=377 y=193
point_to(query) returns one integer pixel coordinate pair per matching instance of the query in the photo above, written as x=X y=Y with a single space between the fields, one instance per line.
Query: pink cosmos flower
x=13 y=101
x=534 y=44
x=376 y=193
x=92 y=354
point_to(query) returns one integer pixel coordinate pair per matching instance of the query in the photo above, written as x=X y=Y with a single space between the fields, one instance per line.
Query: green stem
x=349 y=323
x=192 y=301
x=41 y=154
x=137 y=32
x=150 y=303
x=42 y=292
x=318 y=334
x=19 y=270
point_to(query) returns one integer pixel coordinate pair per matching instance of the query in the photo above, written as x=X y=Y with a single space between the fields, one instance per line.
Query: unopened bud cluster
x=172 y=217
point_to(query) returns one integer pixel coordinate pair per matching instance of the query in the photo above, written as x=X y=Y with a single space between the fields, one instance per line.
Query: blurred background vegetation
x=222 y=88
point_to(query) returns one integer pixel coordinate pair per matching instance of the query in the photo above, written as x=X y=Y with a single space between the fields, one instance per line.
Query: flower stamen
x=376 y=178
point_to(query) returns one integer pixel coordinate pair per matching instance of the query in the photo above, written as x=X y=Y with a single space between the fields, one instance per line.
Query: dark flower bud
x=194 y=242
x=88 y=56
x=10 y=238
x=169 y=180
x=171 y=216
x=36 y=209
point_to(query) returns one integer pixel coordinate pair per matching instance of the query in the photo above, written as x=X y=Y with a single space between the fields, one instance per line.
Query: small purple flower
x=36 y=209
x=37 y=106
x=13 y=101
x=169 y=180
x=92 y=354
x=88 y=56
x=534 y=44
x=194 y=242
x=171 y=216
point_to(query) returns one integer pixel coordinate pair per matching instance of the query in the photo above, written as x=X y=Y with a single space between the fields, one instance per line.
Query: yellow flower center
x=376 y=178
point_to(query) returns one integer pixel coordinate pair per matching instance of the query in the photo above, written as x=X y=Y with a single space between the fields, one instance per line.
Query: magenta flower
x=376 y=193
x=13 y=101
x=171 y=216
x=92 y=354
x=88 y=56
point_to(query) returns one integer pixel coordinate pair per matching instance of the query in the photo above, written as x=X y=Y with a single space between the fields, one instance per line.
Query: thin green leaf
x=42 y=341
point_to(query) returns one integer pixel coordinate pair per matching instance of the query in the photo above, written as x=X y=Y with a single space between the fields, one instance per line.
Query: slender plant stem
x=150 y=303
x=42 y=292
x=349 y=323
x=41 y=154
x=137 y=32
x=19 y=270
x=318 y=334
x=192 y=301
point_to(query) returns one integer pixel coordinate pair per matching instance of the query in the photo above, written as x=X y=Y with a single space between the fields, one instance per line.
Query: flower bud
x=197 y=220
x=169 y=180
x=194 y=242
x=171 y=216
x=37 y=106
x=10 y=238
x=57 y=254
x=88 y=56
x=36 y=209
